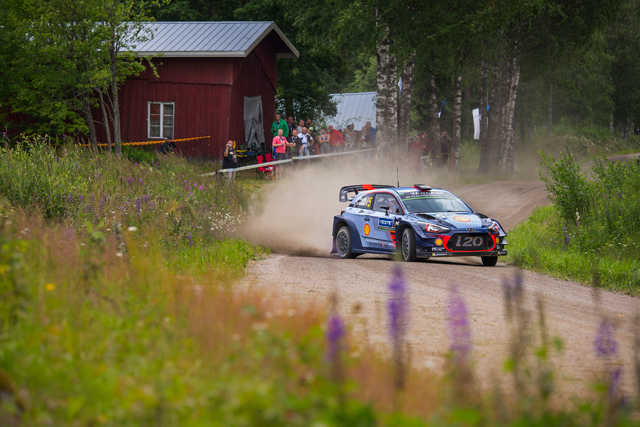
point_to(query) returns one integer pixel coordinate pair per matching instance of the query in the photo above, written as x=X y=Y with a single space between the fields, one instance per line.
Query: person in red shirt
x=280 y=144
x=337 y=142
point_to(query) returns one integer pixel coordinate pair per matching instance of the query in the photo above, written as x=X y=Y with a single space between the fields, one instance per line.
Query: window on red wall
x=160 y=119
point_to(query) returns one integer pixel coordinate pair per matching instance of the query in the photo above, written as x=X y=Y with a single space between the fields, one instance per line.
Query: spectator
x=279 y=124
x=280 y=143
x=167 y=146
x=370 y=135
x=310 y=126
x=295 y=148
x=291 y=124
x=300 y=126
x=445 y=148
x=230 y=159
x=416 y=150
x=337 y=141
x=307 y=143
x=324 y=142
x=364 y=141
x=424 y=140
x=350 y=137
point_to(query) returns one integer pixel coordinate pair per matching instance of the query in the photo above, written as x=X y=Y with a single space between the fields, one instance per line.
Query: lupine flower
x=459 y=331
x=190 y=239
x=567 y=238
x=604 y=343
x=513 y=291
x=70 y=198
x=140 y=180
x=397 y=306
x=138 y=206
x=335 y=333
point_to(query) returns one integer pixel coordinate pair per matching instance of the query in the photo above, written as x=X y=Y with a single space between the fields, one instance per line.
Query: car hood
x=455 y=220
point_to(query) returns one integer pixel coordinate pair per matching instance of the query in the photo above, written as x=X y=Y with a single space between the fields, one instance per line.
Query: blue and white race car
x=430 y=222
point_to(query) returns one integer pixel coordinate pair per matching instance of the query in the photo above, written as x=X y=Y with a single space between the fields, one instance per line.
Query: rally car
x=429 y=222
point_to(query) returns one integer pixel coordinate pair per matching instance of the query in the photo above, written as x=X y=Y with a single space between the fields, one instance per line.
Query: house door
x=253 y=128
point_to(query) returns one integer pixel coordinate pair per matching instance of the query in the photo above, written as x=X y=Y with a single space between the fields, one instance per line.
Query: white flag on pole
x=476 y=123
x=400 y=85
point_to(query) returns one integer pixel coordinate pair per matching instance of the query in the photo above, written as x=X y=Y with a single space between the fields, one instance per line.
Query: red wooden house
x=210 y=75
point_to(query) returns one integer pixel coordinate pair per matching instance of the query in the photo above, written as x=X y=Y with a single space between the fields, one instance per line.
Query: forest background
x=529 y=64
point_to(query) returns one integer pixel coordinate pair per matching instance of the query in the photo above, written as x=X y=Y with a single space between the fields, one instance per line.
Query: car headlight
x=433 y=228
x=494 y=227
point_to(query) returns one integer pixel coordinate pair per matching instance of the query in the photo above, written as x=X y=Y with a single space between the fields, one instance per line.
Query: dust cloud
x=296 y=214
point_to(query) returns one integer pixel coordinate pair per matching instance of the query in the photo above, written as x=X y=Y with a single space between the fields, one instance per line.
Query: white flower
x=132 y=228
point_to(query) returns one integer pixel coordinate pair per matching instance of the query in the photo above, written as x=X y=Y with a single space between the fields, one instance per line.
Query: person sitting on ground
x=167 y=146
x=230 y=159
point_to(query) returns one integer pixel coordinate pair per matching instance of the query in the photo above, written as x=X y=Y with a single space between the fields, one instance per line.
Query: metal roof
x=357 y=108
x=222 y=39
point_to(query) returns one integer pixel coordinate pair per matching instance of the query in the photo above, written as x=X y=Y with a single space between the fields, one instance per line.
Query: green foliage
x=601 y=246
x=140 y=155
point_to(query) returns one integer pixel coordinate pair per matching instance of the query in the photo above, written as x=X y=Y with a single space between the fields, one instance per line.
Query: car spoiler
x=357 y=188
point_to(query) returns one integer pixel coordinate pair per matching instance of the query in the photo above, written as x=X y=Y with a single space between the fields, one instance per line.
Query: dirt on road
x=296 y=222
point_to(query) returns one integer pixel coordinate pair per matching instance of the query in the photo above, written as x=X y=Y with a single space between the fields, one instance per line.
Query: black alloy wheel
x=343 y=243
x=408 y=245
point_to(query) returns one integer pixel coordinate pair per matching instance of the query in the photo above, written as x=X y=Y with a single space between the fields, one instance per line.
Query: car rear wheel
x=408 y=245
x=489 y=261
x=343 y=243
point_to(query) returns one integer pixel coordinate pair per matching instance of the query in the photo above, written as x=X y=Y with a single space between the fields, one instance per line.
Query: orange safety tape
x=148 y=142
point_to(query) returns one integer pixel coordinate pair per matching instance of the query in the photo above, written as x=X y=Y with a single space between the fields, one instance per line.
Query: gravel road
x=302 y=270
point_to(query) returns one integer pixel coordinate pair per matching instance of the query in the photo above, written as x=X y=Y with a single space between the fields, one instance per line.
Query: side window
x=160 y=119
x=364 y=202
x=385 y=200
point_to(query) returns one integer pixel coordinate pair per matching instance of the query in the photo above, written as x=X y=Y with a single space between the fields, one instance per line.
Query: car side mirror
x=386 y=209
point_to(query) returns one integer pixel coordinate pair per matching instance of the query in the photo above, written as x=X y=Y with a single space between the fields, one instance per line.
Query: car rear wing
x=344 y=191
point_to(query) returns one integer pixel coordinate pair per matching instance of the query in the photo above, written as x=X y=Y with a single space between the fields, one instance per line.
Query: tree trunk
x=457 y=117
x=105 y=119
x=484 y=115
x=404 y=114
x=488 y=153
x=88 y=118
x=550 y=112
x=387 y=99
x=507 y=161
x=434 y=121
x=115 y=105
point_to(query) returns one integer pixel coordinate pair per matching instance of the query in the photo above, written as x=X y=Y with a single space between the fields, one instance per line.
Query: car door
x=361 y=215
x=382 y=220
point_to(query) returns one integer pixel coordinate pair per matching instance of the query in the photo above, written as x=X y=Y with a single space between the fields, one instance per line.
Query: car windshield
x=432 y=203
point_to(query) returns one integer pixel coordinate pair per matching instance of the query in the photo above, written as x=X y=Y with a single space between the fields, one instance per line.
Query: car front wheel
x=489 y=261
x=408 y=245
x=343 y=243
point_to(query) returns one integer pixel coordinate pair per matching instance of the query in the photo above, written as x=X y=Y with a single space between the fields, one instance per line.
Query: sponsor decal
x=462 y=218
x=438 y=249
x=385 y=224
x=367 y=229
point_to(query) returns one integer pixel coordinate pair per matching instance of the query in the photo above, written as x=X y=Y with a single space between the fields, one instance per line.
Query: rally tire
x=343 y=243
x=489 y=261
x=408 y=245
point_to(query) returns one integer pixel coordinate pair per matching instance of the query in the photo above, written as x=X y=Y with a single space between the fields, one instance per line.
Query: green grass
x=117 y=307
x=538 y=244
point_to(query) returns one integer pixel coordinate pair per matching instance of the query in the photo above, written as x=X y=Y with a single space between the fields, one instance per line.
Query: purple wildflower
x=397 y=307
x=4 y=134
x=190 y=239
x=335 y=333
x=620 y=195
x=459 y=331
x=129 y=179
x=604 y=343
x=567 y=237
x=615 y=382
x=140 y=180
x=138 y=206
x=101 y=203
x=70 y=198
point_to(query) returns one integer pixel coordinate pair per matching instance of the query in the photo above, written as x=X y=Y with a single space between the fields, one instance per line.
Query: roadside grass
x=116 y=309
x=538 y=244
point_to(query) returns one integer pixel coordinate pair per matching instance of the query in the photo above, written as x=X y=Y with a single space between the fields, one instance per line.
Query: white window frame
x=162 y=106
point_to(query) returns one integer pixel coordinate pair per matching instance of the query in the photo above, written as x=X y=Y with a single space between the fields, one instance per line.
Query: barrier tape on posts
x=277 y=162
x=148 y=142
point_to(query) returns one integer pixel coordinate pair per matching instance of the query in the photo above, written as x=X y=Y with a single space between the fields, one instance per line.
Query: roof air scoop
x=422 y=187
